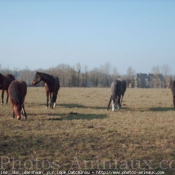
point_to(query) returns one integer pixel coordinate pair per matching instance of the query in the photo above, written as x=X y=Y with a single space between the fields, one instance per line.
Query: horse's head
x=116 y=103
x=17 y=109
x=37 y=78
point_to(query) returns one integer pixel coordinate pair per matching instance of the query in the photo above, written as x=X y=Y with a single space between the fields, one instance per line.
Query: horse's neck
x=46 y=79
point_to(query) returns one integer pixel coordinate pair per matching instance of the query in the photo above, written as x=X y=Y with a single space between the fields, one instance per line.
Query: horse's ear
x=36 y=72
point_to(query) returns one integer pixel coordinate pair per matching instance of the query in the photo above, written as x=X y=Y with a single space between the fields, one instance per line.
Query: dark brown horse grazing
x=52 y=85
x=5 y=81
x=17 y=92
x=118 y=88
x=173 y=91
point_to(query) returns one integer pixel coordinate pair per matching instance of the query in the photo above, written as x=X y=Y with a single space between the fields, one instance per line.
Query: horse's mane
x=45 y=75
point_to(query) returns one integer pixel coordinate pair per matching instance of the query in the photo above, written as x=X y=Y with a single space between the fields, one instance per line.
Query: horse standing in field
x=52 y=85
x=118 y=88
x=5 y=81
x=173 y=91
x=17 y=92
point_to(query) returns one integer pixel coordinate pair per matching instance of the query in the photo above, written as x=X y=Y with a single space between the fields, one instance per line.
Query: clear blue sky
x=45 y=33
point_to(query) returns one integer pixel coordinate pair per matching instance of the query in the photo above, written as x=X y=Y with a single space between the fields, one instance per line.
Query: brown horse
x=17 y=92
x=52 y=86
x=173 y=91
x=5 y=81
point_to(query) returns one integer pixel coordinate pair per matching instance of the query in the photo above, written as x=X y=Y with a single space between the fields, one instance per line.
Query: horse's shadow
x=78 y=116
x=163 y=109
x=74 y=105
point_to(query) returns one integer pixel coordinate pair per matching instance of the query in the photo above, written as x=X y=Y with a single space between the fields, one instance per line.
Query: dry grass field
x=79 y=134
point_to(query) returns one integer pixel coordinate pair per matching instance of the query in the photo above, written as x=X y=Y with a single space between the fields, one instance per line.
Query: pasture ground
x=79 y=134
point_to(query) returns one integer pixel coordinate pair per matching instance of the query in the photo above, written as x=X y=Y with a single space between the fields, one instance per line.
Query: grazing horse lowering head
x=52 y=85
x=17 y=92
x=17 y=109
x=118 y=88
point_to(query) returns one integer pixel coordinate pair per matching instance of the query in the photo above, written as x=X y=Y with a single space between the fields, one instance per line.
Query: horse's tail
x=58 y=83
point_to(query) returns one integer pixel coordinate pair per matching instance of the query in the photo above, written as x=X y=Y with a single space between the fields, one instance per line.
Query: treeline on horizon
x=80 y=76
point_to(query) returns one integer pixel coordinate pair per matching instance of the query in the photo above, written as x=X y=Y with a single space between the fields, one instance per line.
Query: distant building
x=148 y=80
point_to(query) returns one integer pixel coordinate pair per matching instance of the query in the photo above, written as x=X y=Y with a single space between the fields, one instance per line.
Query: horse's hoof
x=18 y=117
x=113 y=109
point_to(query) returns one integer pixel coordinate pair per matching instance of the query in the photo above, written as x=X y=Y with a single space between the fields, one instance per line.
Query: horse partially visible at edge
x=173 y=92
x=5 y=81
x=52 y=86
x=17 y=92
x=118 y=88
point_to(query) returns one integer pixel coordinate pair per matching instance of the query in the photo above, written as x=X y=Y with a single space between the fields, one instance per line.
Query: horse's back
x=23 y=88
x=118 y=87
x=7 y=79
x=123 y=86
x=10 y=76
x=54 y=87
x=17 y=91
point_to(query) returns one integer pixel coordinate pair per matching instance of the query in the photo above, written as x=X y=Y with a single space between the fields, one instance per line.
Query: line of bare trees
x=80 y=76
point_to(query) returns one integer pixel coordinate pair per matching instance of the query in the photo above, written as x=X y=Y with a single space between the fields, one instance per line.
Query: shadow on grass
x=163 y=109
x=98 y=107
x=72 y=105
x=78 y=116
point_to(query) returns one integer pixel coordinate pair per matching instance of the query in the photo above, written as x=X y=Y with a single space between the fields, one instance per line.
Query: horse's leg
x=109 y=102
x=24 y=112
x=114 y=104
x=13 y=114
x=119 y=101
x=47 y=99
x=7 y=96
x=174 y=100
x=54 y=105
x=2 y=96
x=54 y=99
x=51 y=100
